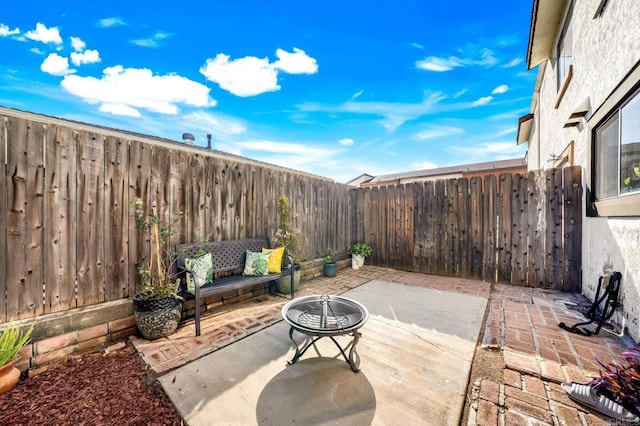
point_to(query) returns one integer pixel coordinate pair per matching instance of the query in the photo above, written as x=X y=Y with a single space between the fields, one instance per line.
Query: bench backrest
x=227 y=256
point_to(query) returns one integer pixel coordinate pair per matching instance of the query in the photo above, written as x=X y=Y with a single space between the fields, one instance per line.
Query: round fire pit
x=326 y=316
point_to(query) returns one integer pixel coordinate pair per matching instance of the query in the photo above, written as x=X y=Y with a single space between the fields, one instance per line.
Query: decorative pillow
x=275 y=261
x=257 y=263
x=203 y=267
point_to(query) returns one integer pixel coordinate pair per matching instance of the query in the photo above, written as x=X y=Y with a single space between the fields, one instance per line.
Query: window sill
x=627 y=205
x=564 y=86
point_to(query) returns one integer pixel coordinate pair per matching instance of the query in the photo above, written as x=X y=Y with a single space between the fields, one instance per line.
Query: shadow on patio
x=520 y=359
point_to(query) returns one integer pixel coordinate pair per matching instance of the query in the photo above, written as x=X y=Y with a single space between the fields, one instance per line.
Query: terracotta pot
x=9 y=376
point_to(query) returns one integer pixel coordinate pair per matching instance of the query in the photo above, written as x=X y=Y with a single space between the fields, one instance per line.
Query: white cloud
x=248 y=76
x=512 y=63
x=123 y=89
x=37 y=51
x=217 y=124
x=297 y=62
x=285 y=148
x=433 y=132
x=5 y=31
x=89 y=56
x=119 y=109
x=436 y=64
x=346 y=142
x=433 y=63
x=482 y=101
x=490 y=150
x=503 y=88
x=423 y=165
x=153 y=41
x=44 y=34
x=393 y=114
x=357 y=94
x=110 y=22
x=77 y=44
x=55 y=64
x=506 y=131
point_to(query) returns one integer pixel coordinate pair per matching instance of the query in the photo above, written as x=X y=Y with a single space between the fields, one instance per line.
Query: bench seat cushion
x=256 y=263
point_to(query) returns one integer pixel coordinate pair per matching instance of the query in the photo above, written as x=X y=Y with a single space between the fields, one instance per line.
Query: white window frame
x=621 y=204
x=564 y=51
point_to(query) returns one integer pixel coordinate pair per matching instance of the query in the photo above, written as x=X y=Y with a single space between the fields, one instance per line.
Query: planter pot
x=356 y=261
x=284 y=284
x=9 y=376
x=330 y=269
x=157 y=318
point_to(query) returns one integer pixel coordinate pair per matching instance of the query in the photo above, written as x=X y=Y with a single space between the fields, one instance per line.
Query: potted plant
x=157 y=307
x=12 y=339
x=330 y=267
x=288 y=237
x=632 y=180
x=359 y=252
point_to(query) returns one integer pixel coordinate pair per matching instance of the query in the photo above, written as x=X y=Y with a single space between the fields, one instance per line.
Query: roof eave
x=546 y=21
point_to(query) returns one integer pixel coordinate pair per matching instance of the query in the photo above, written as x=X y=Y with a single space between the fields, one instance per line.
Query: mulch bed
x=93 y=389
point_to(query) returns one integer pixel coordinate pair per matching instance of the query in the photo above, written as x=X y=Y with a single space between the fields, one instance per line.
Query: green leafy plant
x=362 y=249
x=158 y=276
x=621 y=383
x=330 y=256
x=286 y=236
x=12 y=340
x=636 y=175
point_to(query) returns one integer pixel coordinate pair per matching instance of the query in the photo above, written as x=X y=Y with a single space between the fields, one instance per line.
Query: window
x=564 y=55
x=616 y=159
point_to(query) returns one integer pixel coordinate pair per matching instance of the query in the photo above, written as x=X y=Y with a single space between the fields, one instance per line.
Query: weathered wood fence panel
x=518 y=229
x=69 y=236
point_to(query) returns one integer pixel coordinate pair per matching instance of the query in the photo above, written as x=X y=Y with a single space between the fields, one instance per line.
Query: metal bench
x=228 y=264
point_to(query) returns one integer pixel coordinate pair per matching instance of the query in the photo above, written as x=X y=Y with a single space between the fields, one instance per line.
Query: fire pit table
x=321 y=316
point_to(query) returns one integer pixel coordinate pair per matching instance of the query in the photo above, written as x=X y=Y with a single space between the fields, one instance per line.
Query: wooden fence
x=523 y=229
x=70 y=238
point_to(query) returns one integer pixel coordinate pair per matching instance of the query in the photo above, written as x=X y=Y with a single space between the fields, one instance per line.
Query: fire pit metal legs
x=353 y=359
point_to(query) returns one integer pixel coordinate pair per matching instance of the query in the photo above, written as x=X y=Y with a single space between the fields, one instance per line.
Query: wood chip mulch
x=94 y=389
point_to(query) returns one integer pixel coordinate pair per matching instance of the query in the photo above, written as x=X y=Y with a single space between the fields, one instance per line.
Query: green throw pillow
x=256 y=263
x=203 y=267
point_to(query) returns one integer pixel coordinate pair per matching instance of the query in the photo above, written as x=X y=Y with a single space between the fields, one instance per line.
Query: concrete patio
x=530 y=355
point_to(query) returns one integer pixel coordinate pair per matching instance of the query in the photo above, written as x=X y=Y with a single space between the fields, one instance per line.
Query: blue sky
x=334 y=88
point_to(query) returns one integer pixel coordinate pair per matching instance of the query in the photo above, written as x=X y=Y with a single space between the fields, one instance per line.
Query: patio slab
x=416 y=352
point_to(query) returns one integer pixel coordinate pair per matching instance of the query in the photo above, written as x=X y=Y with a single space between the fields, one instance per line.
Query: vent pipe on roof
x=209 y=141
x=188 y=138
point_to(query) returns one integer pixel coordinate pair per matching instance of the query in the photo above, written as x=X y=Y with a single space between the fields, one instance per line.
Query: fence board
x=504 y=228
x=464 y=226
x=519 y=229
x=553 y=238
x=60 y=227
x=139 y=187
x=116 y=212
x=90 y=213
x=25 y=172
x=490 y=255
x=4 y=136
x=476 y=230
x=441 y=211
x=536 y=220
x=572 y=229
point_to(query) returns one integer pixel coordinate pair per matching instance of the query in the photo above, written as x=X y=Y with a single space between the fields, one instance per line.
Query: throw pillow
x=257 y=263
x=203 y=267
x=275 y=261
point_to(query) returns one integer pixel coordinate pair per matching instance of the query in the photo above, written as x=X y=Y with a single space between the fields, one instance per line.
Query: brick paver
x=520 y=322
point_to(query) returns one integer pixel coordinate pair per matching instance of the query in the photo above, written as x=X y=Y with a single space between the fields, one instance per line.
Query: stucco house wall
x=605 y=50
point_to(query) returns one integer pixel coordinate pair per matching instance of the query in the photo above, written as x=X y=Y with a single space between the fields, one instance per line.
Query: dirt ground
x=93 y=389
